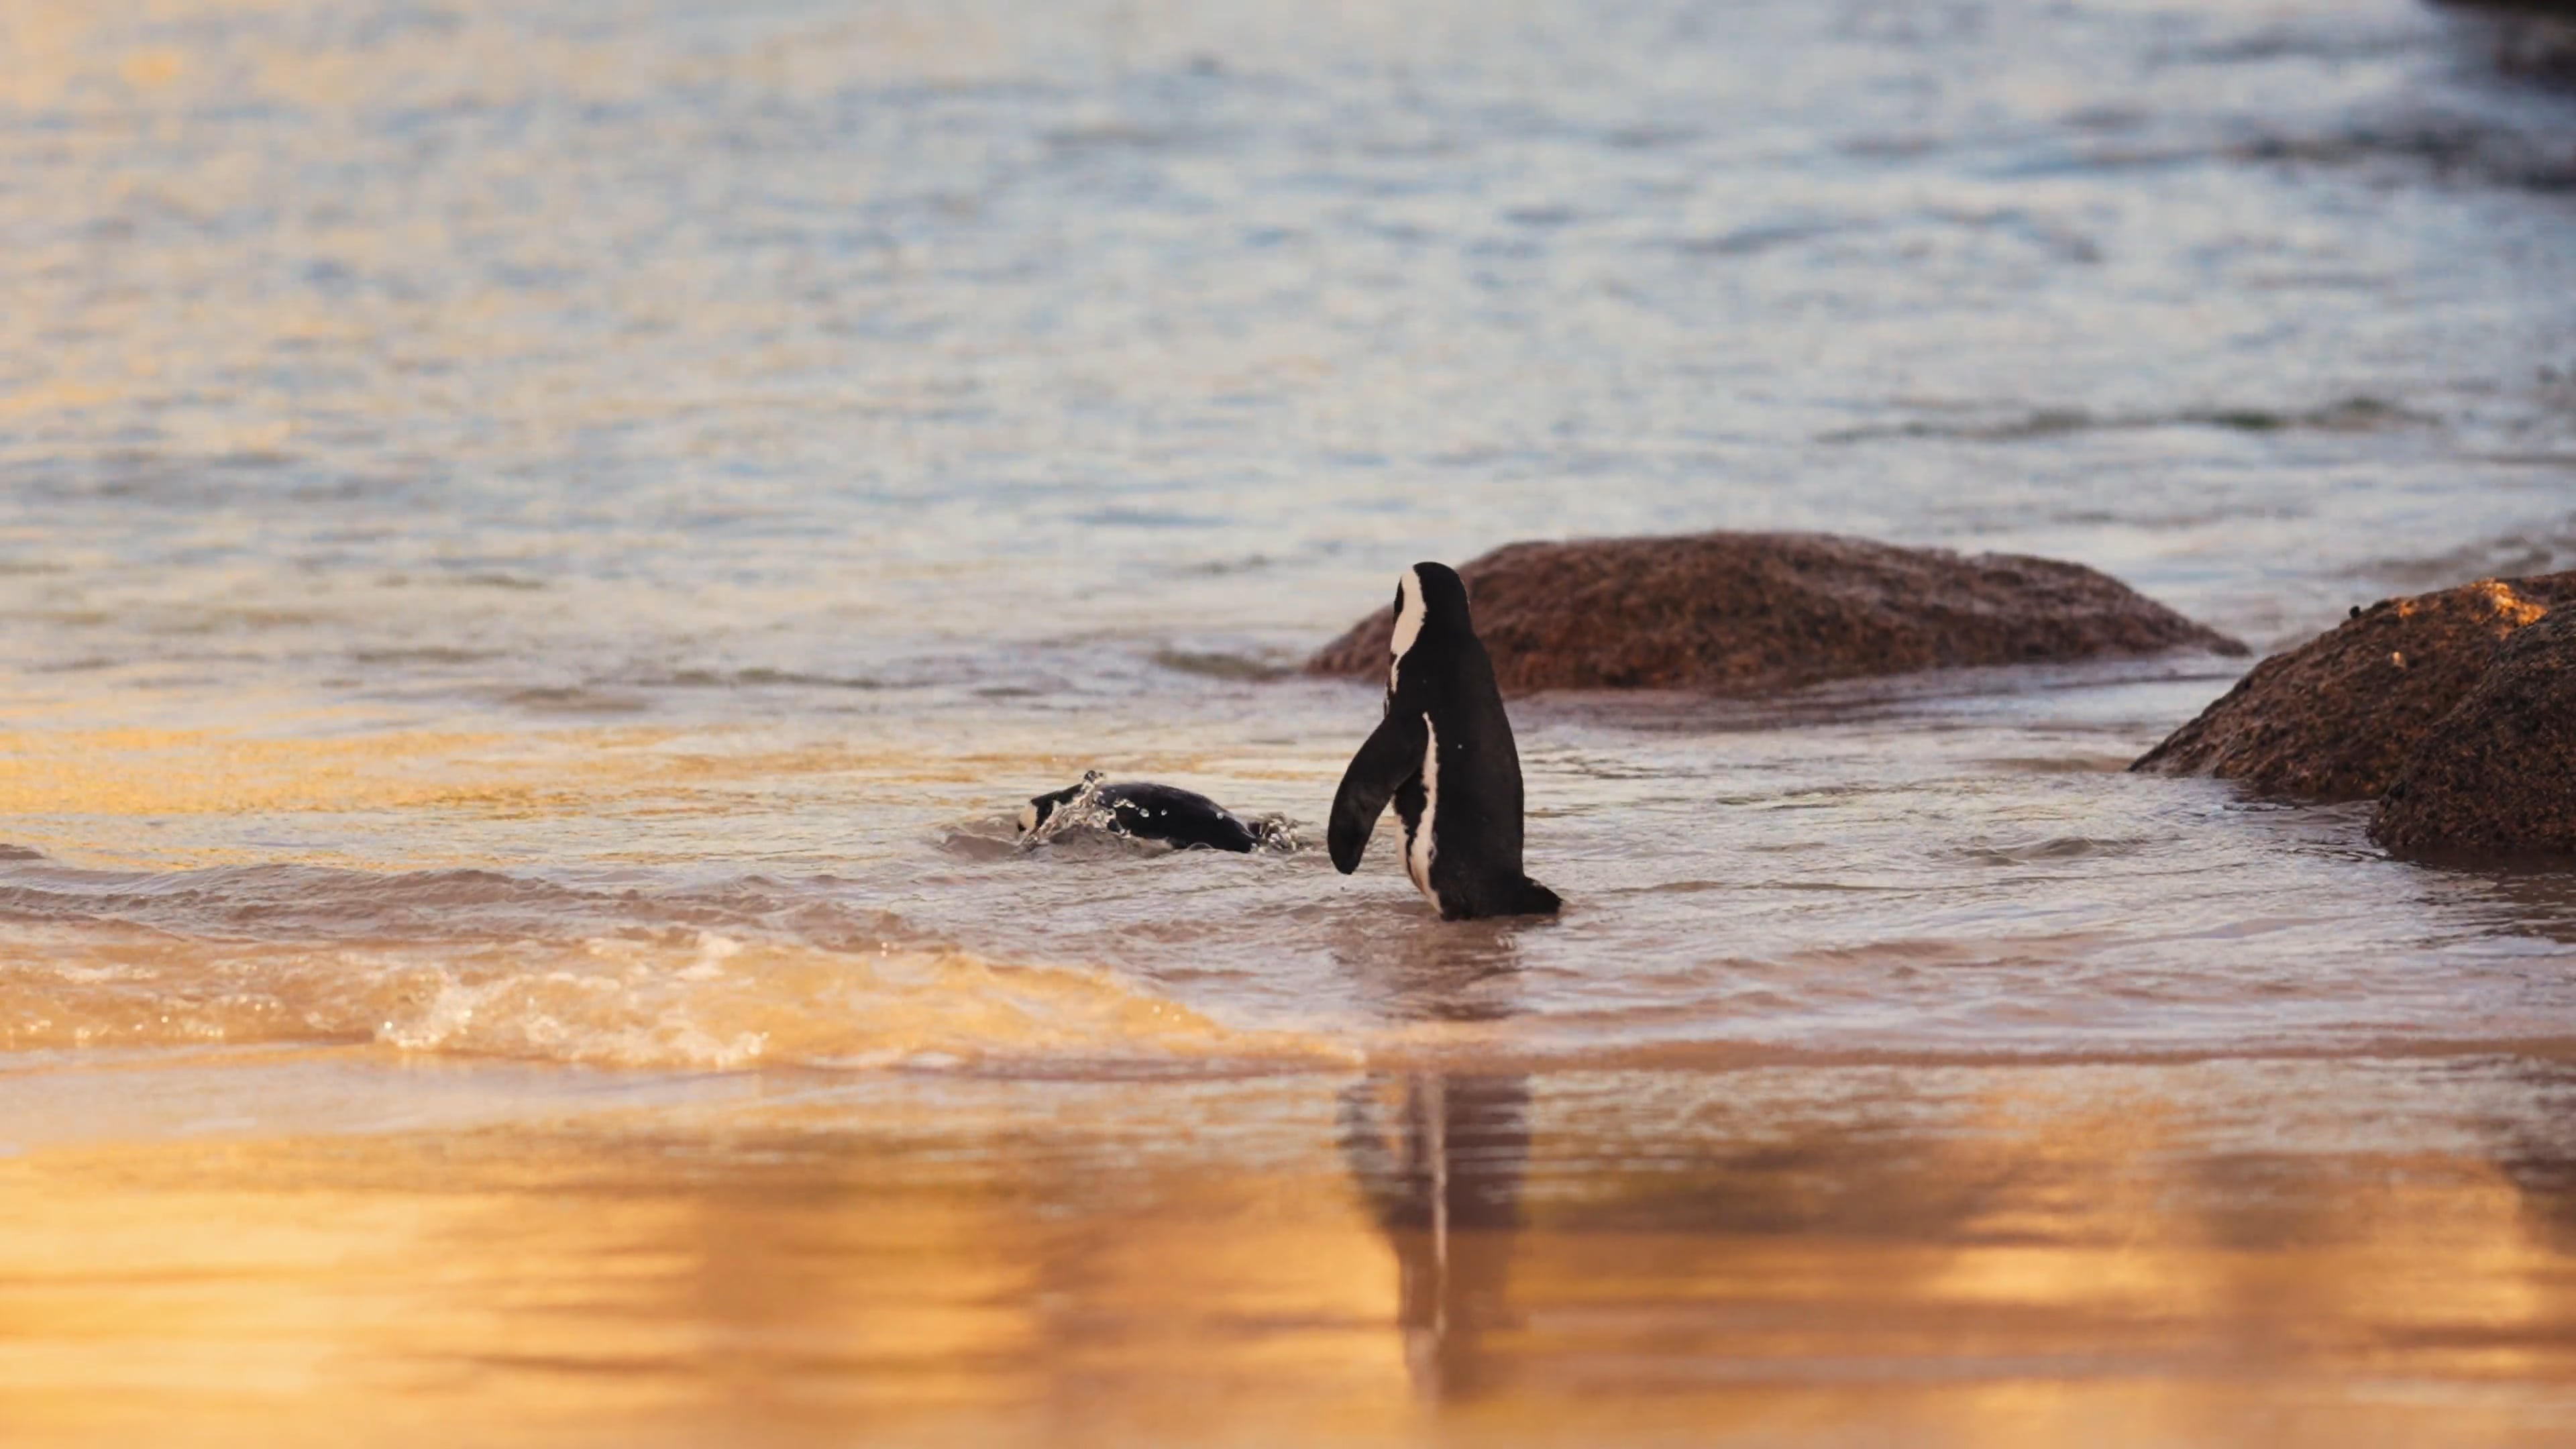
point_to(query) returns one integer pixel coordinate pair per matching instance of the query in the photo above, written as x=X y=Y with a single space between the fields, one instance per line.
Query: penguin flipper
x=1392 y=756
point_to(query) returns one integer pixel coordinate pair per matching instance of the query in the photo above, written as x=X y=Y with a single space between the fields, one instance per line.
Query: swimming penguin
x=1148 y=812
x=1444 y=754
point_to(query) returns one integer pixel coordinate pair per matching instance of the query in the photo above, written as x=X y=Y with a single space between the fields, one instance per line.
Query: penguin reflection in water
x=1444 y=755
x=1439 y=1159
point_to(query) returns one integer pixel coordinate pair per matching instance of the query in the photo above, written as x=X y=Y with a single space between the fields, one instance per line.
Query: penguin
x=1444 y=755
x=1148 y=812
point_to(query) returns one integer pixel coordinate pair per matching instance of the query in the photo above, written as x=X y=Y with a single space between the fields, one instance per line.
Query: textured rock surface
x=1743 y=613
x=2497 y=775
x=2335 y=718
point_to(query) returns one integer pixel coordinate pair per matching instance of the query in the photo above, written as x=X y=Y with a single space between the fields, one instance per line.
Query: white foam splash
x=701 y=1002
x=1083 y=813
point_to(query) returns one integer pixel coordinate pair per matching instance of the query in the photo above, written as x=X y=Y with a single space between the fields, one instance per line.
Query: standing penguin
x=1444 y=754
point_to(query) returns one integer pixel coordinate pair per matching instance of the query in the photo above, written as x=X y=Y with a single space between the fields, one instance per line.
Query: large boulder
x=2337 y=717
x=1744 y=613
x=2497 y=774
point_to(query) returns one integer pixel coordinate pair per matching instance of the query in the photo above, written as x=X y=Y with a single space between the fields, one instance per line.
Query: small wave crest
x=2050 y=849
x=2343 y=415
x=708 y=1002
x=1220 y=665
x=723 y=1003
x=709 y=975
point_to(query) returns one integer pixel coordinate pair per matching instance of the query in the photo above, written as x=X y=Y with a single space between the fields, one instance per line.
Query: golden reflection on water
x=2004 y=1258
x=135 y=796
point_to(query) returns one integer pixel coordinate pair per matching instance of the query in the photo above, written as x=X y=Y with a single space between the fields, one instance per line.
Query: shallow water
x=543 y=548
x=2243 y=1252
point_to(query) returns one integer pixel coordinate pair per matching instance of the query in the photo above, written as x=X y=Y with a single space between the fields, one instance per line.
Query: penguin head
x=1035 y=813
x=1430 y=600
x=1043 y=807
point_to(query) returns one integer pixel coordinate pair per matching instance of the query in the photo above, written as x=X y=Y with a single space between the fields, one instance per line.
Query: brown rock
x=2498 y=773
x=1742 y=613
x=2335 y=718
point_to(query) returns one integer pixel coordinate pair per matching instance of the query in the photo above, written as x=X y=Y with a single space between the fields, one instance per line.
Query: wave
x=1219 y=665
x=2345 y=415
x=2545 y=547
x=707 y=1002
x=735 y=974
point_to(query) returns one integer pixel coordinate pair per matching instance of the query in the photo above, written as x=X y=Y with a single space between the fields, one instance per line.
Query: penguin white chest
x=1418 y=843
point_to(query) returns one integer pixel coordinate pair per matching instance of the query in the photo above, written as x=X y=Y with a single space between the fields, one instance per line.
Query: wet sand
x=2240 y=1251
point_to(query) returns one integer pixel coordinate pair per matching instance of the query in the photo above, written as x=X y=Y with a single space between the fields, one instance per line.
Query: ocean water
x=545 y=544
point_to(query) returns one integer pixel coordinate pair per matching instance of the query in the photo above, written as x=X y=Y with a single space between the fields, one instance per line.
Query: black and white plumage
x=1147 y=812
x=1444 y=755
